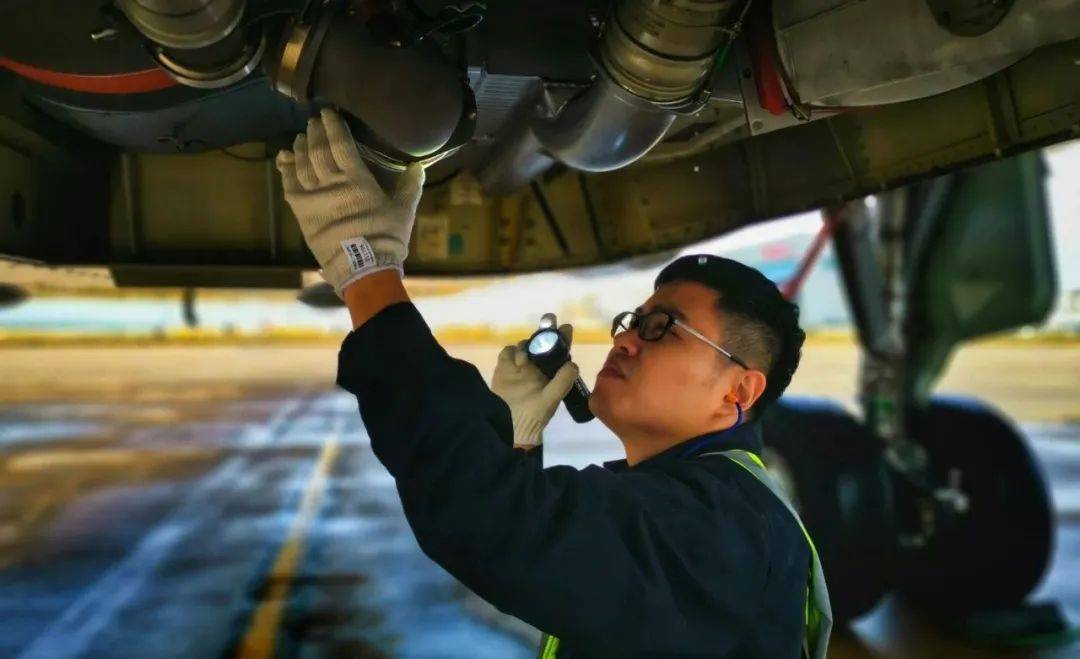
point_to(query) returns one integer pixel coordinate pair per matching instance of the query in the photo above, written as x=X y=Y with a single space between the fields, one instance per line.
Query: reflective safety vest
x=817 y=612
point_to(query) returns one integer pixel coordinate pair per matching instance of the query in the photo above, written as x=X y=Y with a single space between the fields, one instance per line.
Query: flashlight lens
x=543 y=342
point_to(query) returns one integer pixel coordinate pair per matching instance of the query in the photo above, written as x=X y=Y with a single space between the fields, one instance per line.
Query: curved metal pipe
x=409 y=101
x=199 y=43
x=605 y=128
x=403 y=103
x=655 y=59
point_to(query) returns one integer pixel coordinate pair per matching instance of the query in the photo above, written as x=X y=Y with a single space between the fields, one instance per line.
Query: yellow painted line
x=260 y=640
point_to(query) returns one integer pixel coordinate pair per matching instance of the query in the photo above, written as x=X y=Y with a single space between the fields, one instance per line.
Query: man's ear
x=749 y=387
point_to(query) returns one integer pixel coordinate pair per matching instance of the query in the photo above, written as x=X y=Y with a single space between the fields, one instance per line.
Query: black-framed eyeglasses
x=655 y=324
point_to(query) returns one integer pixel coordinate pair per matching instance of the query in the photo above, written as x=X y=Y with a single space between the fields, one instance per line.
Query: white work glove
x=532 y=398
x=351 y=226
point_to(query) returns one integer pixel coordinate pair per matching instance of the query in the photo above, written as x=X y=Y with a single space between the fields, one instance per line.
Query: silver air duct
x=655 y=59
x=405 y=102
x=198 y=42
x=663 y=52
x=184 y=24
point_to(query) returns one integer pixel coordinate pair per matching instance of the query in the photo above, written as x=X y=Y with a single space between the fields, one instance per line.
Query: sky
x=1063 y=187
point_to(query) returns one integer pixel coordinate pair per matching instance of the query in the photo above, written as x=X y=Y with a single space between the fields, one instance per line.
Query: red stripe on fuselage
x=137 y=82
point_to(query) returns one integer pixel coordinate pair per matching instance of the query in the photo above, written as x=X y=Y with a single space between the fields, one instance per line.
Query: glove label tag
x=360 y=254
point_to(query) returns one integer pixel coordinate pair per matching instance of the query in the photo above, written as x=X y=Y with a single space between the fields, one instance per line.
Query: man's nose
x=628 y=343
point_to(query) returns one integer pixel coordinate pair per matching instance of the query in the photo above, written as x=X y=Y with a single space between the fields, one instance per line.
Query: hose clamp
x=246 y=62
x=292 y=73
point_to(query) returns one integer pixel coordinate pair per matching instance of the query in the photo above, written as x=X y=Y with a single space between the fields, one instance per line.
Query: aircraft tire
x=833 y=465
x=996 y=554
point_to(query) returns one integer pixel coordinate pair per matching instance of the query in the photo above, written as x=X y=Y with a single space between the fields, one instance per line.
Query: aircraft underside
x=140 y=135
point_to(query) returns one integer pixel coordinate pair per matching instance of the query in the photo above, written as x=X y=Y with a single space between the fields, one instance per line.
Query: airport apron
x=818 y=612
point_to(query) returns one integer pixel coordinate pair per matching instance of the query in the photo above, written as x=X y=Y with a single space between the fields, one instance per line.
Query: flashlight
x=548 y=350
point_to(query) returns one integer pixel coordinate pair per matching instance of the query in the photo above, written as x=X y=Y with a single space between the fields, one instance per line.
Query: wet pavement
x=254 y=521
x=172 y=537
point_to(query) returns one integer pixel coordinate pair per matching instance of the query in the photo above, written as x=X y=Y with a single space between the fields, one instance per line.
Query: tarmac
x=192 y=504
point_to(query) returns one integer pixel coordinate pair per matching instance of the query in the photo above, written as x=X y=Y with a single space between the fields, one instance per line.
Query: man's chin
x=601 y=414
x=597 y=401
x=601 y=402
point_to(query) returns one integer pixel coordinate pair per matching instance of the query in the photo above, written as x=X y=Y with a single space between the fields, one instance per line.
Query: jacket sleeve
x=579 y=554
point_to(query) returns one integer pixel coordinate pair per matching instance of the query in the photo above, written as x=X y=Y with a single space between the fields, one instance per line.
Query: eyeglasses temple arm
x=699 y=335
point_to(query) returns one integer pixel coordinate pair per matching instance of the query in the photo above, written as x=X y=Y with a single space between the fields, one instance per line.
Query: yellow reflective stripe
x=758 y=462
x=755 y=458
x=808 y=611
x=550 y=648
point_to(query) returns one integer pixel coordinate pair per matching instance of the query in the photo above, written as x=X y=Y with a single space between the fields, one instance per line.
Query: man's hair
x=762 y=327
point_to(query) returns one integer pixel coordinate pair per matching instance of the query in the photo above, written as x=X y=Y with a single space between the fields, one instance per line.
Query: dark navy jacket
x=676 y=557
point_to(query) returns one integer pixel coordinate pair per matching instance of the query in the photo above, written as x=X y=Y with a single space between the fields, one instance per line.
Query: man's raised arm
x=575 y=553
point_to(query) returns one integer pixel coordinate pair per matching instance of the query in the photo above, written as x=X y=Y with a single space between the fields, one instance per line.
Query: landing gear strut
x=937 y=498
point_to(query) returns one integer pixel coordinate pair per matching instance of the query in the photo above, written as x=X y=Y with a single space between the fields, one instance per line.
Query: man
x=682 y=549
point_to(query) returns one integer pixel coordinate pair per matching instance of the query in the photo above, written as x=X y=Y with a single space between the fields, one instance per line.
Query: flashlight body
x=549 y=362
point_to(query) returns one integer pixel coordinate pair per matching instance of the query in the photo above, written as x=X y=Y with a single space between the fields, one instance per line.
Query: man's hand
x=532 y=398
x=351 y=226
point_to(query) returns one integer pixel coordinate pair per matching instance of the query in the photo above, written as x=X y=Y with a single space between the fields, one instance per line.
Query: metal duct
x=663 y=52
x=409 y=100
x=197 y=42
x=404 y=103
x=654 y=61
x=605 y=128
x=184 y=24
